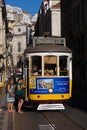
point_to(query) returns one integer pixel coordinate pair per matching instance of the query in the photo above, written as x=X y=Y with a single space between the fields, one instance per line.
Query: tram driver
x=34 y=70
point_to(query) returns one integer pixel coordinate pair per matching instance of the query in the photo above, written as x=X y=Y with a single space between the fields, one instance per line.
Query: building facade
x=19 y=24
x=19 y=42
x=49 y=19
x=74 y=28
x=3 y=32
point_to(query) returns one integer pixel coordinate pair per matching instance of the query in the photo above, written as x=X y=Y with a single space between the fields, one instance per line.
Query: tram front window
x=63 y=64
x=50 y=63
x=36 y=65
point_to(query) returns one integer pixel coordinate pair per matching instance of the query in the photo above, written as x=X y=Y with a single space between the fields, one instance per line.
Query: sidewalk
x=6 y=119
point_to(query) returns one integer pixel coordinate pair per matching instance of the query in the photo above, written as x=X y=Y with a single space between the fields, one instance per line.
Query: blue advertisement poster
x=55 y=85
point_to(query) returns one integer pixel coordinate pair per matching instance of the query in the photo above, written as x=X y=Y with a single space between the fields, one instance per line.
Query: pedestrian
x=10 y=95
x=20 y=88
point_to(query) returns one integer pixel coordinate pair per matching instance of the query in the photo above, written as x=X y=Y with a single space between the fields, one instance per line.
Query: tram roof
x=47 y=48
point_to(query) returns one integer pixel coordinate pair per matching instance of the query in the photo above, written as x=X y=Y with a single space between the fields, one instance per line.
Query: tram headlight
x=50 y=90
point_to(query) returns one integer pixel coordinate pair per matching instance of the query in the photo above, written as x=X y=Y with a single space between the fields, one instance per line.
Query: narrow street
x=44 y=43
x=70 y=118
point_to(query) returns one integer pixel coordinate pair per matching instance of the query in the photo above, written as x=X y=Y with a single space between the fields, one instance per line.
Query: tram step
x=57 y=106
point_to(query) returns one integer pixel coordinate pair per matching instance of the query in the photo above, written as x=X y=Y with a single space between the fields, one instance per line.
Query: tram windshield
x=63 y=65
x=49 y=65
x=36 y=65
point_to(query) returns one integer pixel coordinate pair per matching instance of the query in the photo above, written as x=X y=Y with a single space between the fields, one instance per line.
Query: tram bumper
x=57 y=106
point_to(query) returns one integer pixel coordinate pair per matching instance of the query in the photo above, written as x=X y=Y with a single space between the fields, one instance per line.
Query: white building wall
x=10 y=15
x=2 y=34
x=18 y=19
x=56 y=23
x=22 y=29
x=18 y=37
x=16 y=13
x=34 y=18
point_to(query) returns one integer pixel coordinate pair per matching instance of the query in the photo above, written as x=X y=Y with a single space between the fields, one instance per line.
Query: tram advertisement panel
x=50 y=85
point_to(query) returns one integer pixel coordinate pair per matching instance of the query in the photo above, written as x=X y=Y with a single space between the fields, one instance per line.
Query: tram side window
x=50 y=63
x=36 y=65
x=63 y=65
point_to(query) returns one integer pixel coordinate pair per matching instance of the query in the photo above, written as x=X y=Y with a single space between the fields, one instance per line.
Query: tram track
x=52 y=125
x=72 y=121
x=49 y=122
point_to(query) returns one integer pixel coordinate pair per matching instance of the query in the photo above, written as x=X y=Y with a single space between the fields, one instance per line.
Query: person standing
x=20 y=88
x=10 y=96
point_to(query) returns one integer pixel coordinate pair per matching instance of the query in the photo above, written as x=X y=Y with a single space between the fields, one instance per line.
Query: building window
x=19 y=47
x=19 y=29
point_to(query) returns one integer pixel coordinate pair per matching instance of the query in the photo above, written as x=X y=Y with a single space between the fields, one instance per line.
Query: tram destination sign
x=49 y=40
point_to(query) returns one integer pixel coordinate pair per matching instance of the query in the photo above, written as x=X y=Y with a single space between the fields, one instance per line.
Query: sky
x=31 y=6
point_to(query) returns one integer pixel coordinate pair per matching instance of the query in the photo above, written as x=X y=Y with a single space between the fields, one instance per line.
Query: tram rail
x=52 y=125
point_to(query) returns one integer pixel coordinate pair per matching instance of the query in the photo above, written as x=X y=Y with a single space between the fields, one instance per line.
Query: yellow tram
x=49 y=71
